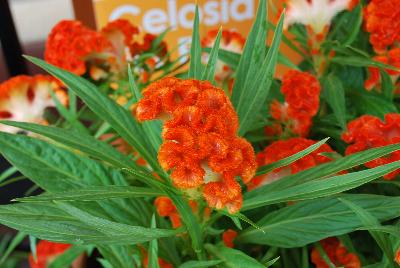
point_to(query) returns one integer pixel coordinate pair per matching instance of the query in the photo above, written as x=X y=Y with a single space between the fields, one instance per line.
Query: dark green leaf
x=334 y=95
x=233 y=258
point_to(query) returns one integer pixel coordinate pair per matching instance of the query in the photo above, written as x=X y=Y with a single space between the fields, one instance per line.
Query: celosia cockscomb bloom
x=228 y=238
x=284 y=148
x=392 y=57
x=337 y=254
x=71 y=45
x=315 y=14
x=200 y=142
x=301 y=91
x=368 y=132
x=382 y=22
x=25 y=98
x=46 y=252
x=231 y=41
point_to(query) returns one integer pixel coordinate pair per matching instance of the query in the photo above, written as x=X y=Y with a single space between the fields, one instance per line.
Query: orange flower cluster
x=201 y=145
x=285 y=148
x=301 y=91
x=228 y=237
x=337 y=253
x=162 y=263
x=382 y=22
x=231 y=41
x=392 y=57
x=368 y=132
x=46 y=251
x=166 y=208
x=25 y=98
x=71 y=45
x=397 y=257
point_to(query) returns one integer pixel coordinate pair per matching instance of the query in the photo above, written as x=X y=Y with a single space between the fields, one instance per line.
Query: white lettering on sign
x=212 y=13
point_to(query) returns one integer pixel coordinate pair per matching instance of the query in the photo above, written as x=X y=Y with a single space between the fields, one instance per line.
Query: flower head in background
x=200 y=142
x=368 y=132
x=25 y=98
x=285 y=148
x=301 y=91
x=231 y=41
x=315 y=14
x=382 y=22
x=46 y=252
x=228 y=238
x=392 y=57
x=337 y=254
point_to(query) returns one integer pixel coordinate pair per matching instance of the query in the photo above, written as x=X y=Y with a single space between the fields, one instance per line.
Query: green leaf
x=320 y=188
x=7 y=173
x=72 y=225
x=80 y=141
x=256 y=90
x=93 y=193
x=373 y=103
x=200 y=264
x=153 y=248
x=68 y=257
x=32 y=244
x=388 y=87
x=324 y=170
x=195 y=67
x=117 y=256
x=324 y=256
x=290 y=159
x=209 y=71
x=233 y=258
x=118 y=117
x=273 y=261
x=334 y=95
x=387 y=229
x=310 y=221
x=369 y=220
x=252 y=56
x=361 y=62
x=13 y=244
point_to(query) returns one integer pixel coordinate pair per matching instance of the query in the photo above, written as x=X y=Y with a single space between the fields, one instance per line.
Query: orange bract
x=382 y=22
x=228 y=237
x=47 y=251
x=201 y=145
x=392 y=57
x=368 y=132
x=337 y=253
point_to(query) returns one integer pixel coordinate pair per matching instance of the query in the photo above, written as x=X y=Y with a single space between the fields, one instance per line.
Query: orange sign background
x=155 y=16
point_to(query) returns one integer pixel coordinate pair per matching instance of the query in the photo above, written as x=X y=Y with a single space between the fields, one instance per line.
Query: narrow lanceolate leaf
x=232 y=258
x=333 y=92
x=79 y=141
x=117 y=256
x=209 y=71
x=323 y=187
x=257 y=88
x=253 y=54
x=368 y=220
x=324 y=170
x=288 y=160
x=94 y=193
x=153 y=248
x=72 y=225
x=200 y=264
x=104 y=107
x=195 y=67
x=310 y=221
x=387 y=85
x=68 y=257
x=357 y=61
x=13 y=244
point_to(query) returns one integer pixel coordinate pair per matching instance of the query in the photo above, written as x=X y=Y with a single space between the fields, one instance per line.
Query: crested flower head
x=368 y=132
x=382 y=22
x=337 y=254
x=47 y=251
x=231 y=41
x=228 y=238
x=200 y=142
x=316 y=14
x=70 y=44
x=392 y=57
x=285 y=148
x=301 y=91
x=25 y=98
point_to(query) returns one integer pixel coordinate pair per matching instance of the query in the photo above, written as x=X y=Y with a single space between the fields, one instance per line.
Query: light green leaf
x=310 y=221
x=13 y=244
x=209 y=71
x=232 y=258
x=68 y=257
x=200 y=264
x=195 y=68
x=361 y=62
x=333 y=92
x=153 y=248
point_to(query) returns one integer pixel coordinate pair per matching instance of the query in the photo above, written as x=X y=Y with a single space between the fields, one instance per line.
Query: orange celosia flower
x=231 y=41
x=122 y=28
x=145 y=260
x=368 y=132
x=397 y=257
x=316 y=14
x=228 y=237
x=392 y=57
x=200 y=145
x=25 y=98
x=382 y=22
x=47 y=251
x=301 y=91
x=285 y=148
x=337 y=253
x=70 y=44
